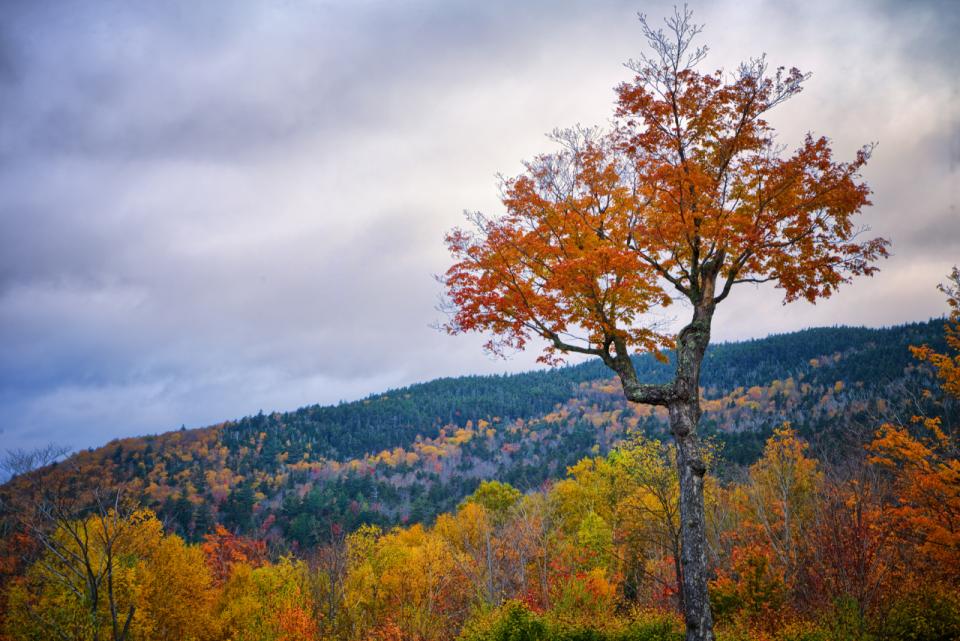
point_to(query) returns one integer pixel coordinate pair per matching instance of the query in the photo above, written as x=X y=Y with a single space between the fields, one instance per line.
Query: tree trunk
x=691 y=469
x=684 y=415
x=682 y=400
x=677 y=546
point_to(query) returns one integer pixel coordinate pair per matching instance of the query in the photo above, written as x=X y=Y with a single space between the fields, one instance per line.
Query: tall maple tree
x=688 y=196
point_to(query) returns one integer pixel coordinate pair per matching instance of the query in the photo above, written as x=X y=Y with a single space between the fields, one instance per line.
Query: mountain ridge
x=409 y=453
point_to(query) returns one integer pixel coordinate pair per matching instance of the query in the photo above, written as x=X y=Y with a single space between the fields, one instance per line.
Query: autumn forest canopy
x=800 y=487
x=814 y=526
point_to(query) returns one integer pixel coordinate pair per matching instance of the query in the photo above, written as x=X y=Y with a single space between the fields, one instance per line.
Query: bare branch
x=20 y=461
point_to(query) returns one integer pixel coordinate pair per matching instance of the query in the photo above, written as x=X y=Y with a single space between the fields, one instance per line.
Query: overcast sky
x=212 y=208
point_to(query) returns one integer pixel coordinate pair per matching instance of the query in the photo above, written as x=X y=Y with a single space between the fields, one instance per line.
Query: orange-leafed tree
x=947 y=365
x=688 y=196
x=924 y=462
x=223 y=550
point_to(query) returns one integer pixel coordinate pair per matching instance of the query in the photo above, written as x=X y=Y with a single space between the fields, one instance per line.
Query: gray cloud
x=207 y=209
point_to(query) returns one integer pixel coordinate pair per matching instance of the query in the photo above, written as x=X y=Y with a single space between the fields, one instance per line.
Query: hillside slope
x=411 y=453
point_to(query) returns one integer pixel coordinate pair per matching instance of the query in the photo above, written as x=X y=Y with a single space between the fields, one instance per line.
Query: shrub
x=514 y=622
x=584 y=600
x=652 y=625
x=804 y=632
x=925 y=615
x=511 y=622
x=581 y=634
x=752 y=593
x=846 y=621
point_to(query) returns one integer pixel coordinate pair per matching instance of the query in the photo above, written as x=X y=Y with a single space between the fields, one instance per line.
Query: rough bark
x=691 y=469
x=682 y=400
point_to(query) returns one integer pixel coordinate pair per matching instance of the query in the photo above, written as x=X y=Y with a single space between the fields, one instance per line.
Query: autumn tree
x=223 y=550
x=268 y=603
x=781 y=494
x=76 y=587
x=688 y=196
x=532 y=536
x=328 y=573
x=947 y=365
x=652 y=508
x=923 y=460
x=850 y=560
x=176 y=593
x=496 y=497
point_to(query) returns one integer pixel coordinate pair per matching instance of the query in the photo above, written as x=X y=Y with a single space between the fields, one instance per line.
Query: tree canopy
x=688 y=194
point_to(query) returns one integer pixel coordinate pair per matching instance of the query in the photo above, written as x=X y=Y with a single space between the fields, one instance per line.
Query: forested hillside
x=409 y=454
x=857 y=543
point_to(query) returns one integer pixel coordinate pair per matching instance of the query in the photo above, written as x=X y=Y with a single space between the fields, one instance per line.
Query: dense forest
x=856 y=538
x=832 y=510
x=410 y=454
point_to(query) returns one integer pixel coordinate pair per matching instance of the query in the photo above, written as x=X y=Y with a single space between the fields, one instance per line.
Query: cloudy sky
x=212 y=208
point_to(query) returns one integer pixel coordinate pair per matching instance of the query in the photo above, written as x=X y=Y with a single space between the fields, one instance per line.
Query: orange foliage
x=687 y=195
x=947 y=366
x=387 y=631
x=851 y=551
x=924 y=463
x=752 y=590
x=296 y=624
x=926 y=508
x=223 y=549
